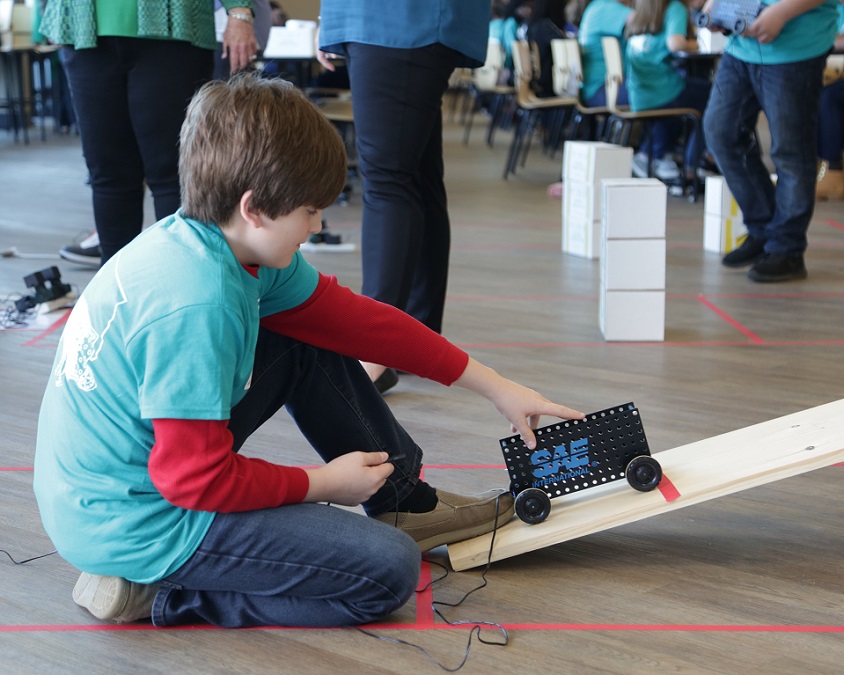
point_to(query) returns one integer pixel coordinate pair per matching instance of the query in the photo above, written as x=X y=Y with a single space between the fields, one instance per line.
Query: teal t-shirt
x=652 y=80
x=602 y=18
x=166 y=329
x=804 y=37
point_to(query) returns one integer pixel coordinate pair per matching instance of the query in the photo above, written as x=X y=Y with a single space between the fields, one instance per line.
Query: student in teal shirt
x=601 y=18
x=775 y=67
x=657 y=29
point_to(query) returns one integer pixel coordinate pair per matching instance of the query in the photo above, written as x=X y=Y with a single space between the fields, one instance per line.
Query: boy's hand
x=522 y=407
x=350 y=479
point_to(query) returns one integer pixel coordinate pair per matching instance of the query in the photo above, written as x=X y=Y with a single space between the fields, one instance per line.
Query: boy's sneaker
x=772 y=268
x=454 y=519
x=749 y=251
x=85 y=252
x=640 y=165
x=666 y=170
x=114 y=598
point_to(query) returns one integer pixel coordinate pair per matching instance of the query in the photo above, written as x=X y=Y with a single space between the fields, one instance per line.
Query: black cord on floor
x=477 y=626
x=23 y=562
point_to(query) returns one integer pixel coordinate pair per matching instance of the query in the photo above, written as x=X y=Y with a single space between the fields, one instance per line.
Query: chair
x=568 y=80
x=529 y=106
x=484 y=84
x=621 y=120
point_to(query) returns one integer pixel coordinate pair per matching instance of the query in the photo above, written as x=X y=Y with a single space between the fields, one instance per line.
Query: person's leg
x=333 y=402
x=296 y=565
x=338 y=410
x=157 y=112
x=98 y=84
x=428 y=289
x=789 y=96
x=695 y=95
x=729 y=124
x=831 y=124
x=397 y=107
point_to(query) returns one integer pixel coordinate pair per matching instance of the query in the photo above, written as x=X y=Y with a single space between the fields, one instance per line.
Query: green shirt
x=602 y=18
x=80 y=22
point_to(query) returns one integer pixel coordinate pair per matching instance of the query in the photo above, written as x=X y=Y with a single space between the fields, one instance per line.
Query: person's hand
x=324 y=58
x=349 y=479
x=239 y=43
x=520 y=406
x=523 y=408
x=767 y=26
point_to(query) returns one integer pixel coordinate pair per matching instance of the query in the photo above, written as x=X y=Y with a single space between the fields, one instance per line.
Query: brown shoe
x=454 y=519
x=114 y=598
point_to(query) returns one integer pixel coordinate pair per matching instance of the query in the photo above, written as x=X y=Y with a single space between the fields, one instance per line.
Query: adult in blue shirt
x=400 y=55
x=775 y=67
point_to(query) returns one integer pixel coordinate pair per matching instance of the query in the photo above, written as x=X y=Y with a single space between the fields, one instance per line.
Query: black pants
x=130 y=96
x=406 y=237
x=334 y=404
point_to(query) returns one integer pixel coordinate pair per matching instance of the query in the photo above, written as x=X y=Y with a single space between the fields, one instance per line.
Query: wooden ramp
x=693 y=473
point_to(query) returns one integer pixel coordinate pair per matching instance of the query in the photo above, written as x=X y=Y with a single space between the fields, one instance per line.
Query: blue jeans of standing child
x=304 y=564
x=788 y=94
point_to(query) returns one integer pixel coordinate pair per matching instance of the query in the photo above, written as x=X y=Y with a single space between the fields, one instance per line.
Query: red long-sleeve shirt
x=192 y=463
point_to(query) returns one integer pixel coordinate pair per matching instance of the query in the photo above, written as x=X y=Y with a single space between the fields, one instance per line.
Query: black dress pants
x=406 y=237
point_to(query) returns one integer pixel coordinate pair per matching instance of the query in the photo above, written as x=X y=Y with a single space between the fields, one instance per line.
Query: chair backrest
x=522 y=70
x=615 y=70
x=567 y=73
x=486 y=77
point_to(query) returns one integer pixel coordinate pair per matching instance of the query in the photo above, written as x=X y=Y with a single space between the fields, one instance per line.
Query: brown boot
x=830 y=183
x=454 y=519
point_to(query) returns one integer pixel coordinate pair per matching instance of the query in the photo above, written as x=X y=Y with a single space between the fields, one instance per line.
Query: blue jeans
x=664 y=133
x=304 y=564
x=788 y=94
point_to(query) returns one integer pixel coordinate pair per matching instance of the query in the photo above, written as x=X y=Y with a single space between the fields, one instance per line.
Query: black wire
x=23 y=562
x=477 y=626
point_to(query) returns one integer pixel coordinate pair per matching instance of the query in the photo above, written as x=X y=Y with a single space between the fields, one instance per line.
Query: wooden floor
x=749 y=583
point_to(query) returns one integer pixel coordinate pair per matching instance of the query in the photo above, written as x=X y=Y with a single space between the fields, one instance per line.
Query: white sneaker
x=114 y=598
x=640 y=165
x=666 y=170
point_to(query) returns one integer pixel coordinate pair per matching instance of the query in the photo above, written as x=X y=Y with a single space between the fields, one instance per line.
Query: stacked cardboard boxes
x=632 y=293
x=585 y=165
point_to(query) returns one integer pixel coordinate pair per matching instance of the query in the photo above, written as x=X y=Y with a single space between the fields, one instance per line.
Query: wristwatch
x=242 y=16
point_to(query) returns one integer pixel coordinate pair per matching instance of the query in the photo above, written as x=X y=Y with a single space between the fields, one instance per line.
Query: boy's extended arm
x=336 y=318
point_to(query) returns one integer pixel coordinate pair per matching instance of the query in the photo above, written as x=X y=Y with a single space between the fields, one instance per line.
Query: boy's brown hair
x=263 y=135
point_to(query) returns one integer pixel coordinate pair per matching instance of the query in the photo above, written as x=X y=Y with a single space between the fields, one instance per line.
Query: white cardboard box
x=581 y=200
x=592 y=161
x=633 y=208
x=723 y=224
x=582 y=238
x=633 y=264
x=632 y=316
x=722 y=235
x=718 y=199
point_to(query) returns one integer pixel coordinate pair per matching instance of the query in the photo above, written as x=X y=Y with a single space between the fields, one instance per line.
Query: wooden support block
x=693 y=473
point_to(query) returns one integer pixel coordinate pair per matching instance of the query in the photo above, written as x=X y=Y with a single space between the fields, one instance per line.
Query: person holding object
x=775 y=67
x=116 y=56
x=195 y=334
